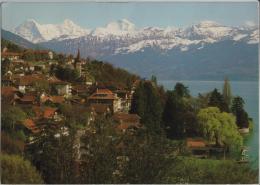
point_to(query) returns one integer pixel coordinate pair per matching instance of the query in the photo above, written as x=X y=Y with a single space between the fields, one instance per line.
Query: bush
x=17 y=170
x=10 y=145
x=206 y=171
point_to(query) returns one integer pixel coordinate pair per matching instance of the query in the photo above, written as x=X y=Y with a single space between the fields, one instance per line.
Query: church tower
x=77 y=62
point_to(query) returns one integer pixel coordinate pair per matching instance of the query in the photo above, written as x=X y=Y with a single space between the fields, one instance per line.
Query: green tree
x=220 y=127
x=237 y=109
x=98 y=154
x=227 y=92
x=154 y=79
x=147 y=104
x=216 y=100
x=145 y=151
x=52 y=152
x=181 y=90
x=66 y=73
x=10 y=145
x=11 y=117
x=178 y=116
x=16 y=170
x=237 y=104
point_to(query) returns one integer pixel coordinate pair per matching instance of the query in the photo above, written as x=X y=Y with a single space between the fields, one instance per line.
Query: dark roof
x=80 y=88
x=28 y=79
x=28 y=98
x=99 y=108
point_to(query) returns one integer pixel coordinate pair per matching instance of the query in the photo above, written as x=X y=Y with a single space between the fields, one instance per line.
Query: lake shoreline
x=248 y=90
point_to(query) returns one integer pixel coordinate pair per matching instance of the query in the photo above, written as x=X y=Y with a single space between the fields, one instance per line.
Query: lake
x=248 y=90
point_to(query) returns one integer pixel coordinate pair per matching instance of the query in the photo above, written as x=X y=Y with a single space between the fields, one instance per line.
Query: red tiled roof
x=54 y=80
x=127 y=120
x=49 y=112
x=4 y=54
x=8 y=91
x=102 y=94
x=195 y=143
x=57 y=99
x=37 y=110
x=103 y=91
x=124 y=126
x=28 y=123
x=45 y=112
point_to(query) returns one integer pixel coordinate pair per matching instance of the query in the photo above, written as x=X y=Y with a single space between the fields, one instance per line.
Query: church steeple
x=77 y=62
x=78 y=57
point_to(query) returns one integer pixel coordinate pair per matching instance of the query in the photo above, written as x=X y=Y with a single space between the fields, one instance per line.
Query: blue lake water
x=248 y=90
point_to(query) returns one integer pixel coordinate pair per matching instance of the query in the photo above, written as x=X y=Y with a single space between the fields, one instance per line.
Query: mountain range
x=204 y=51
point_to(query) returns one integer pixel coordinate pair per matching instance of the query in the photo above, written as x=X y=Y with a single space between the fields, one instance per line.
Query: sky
x=162 y=14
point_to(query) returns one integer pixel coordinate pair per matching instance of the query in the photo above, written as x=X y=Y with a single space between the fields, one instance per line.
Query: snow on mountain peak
x=36 y=32
x=120 y=27
x=123 y=36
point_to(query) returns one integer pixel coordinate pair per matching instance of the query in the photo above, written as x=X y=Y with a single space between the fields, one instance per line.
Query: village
x=20 y=88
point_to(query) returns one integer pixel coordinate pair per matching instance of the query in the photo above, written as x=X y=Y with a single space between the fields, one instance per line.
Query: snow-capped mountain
x=36 y=32
x=213 y=46
x=123 y=36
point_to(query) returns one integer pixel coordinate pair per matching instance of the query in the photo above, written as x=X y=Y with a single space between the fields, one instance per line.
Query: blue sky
x=91 y=15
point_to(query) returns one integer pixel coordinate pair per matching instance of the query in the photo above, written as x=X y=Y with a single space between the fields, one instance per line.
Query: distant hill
x=7 y=35
x=237 y=60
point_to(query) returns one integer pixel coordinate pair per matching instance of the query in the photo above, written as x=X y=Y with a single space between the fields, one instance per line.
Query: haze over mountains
x=204 y=51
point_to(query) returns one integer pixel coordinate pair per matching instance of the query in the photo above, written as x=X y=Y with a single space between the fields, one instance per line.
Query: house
x=57 y=99
x=31 y=126
x=59 y=87
x=54 y=99
x=50 y=53
x=198 y=147
x=106 y=97
x=43 y=53
x=127 y=121
x=11 y=55
x=39 y=67
x=79 y=90
x=45 y=112
x=125 y=99
x=26 y=82
x=27 y=100
x=100 y=109
x=77 y=100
